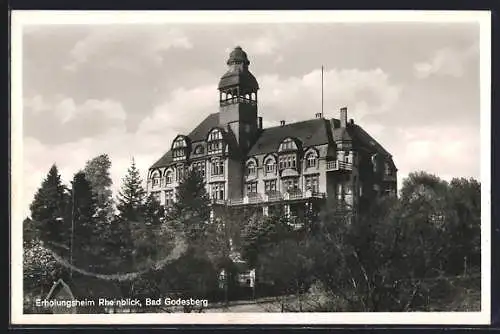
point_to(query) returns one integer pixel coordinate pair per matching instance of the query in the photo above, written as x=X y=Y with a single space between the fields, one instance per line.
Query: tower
x=238 y=99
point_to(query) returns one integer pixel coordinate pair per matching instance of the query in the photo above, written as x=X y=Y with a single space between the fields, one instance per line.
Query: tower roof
x=238 y=73
x=238 y=56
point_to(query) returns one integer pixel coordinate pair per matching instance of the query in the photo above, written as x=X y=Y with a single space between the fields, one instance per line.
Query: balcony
x=273 y=197
x=338 y=165
x=389 y=178
x=239 y=99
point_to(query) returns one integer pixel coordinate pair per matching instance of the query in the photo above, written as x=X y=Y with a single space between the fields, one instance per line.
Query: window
x=311 y=160
x=215 y=135
x=169 y=177
x=179 y=142
x=200 y=167
x=346 y=156
x=218 y=167
x=179 y=148
x=199 y=150
x=251 y=188
x=291 y=183
x=169 y=197
x=312 y=183
x=251 y=169
x=179 y=173
x=217 y=190
x=288 y=161
x=387 y=169
x=215 y=141
x=270 y=166
x=343 y=189
x=288 y=144
x=155 y=179
x=270 y=186
x=156 y=195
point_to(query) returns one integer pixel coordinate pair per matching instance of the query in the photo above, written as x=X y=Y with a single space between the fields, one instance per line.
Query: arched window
x=155 y=179
x=311 y=159
x=199 y=149
x=215 y=141
x=287 y=145
x=270 y=165
x=179 y=148
x=169 y=177
x=251 y=168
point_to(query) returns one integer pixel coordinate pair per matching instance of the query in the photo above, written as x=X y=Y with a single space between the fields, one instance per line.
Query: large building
x=292 y=166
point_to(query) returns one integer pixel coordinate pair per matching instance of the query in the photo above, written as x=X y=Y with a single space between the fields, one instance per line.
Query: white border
x=24 y=18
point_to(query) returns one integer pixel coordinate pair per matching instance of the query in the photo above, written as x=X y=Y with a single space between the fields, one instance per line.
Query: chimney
x=282 y=122
x=343 y=117
x=319 y=115
x=260 y=123
x=351 y=121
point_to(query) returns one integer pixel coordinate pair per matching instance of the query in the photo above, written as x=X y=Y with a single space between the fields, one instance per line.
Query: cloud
x=446 y=62
x=69 y=120
x=447 y=151
x=119 y=47
x=182 y=110
x=294 y=98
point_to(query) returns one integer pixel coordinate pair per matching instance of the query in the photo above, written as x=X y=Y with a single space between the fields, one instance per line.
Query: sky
x=128 y=90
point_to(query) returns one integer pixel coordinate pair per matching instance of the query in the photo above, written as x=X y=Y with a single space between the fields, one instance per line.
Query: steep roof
x=360 y=135
x=311 y=132
x=318 y=131
x=198 y=134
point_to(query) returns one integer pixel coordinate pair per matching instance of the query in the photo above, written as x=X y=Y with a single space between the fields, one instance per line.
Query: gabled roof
x=318 y=131
x=311 y=132
x=198 y=134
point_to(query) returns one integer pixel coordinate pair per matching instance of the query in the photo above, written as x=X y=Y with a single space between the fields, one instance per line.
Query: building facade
x=292 y=166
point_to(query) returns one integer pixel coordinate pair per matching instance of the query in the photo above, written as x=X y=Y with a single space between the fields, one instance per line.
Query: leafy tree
x=262 y=231
x=464 y=225
x=97 y=173
x=40 y=271
x=48 y=212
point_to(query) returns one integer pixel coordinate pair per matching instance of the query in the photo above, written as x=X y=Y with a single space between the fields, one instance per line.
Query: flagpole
x=322 y=90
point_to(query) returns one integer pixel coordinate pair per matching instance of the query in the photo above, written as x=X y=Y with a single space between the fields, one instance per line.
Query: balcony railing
x=237 y=100
x=274 y=197
x=338 y=165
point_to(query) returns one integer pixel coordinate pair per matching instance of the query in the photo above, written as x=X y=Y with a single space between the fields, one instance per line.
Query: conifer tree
x=86 y=249
x=191 y=210
x=132 y=195
x=48 y=212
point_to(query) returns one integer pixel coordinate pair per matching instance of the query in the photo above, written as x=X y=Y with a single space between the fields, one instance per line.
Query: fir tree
x=132 y=195
x=86 y=250
x=191 y=210
x=48 y=212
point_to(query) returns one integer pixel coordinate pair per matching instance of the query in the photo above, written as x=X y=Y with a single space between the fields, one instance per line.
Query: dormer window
x=288 y=145
x=199 y=149
x=179 y=148
x=251 y=168
x=270 y=166
x=215 y=141
x=311 y=159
